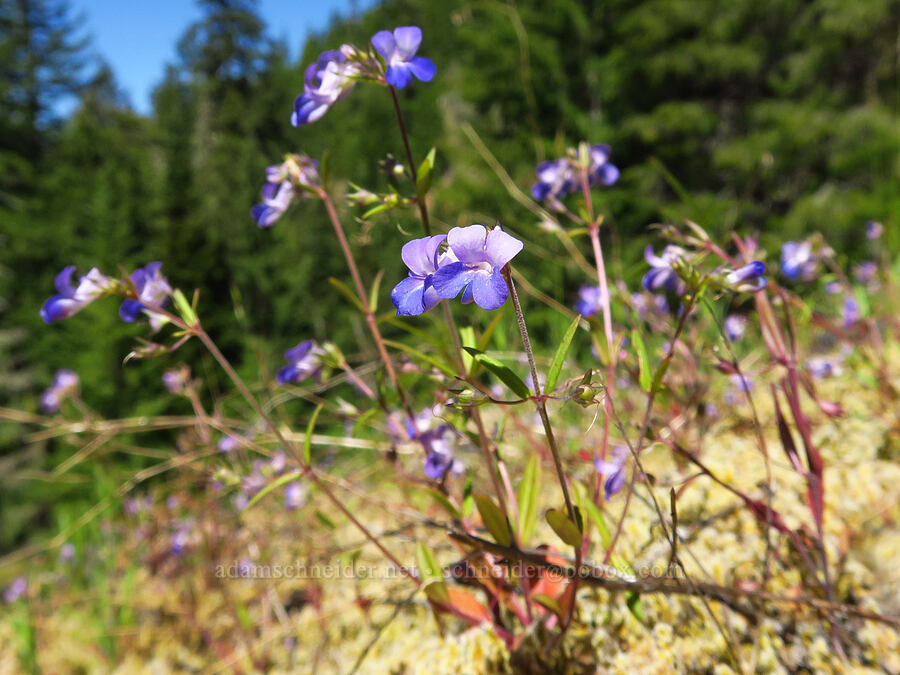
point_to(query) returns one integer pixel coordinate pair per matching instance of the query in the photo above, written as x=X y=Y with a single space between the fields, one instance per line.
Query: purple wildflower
x=663 y=274
x=437 y=439
x=416 y=294
x=176 y=380
x=180 y=539
x=874 y=229
x=398 y=49
x=327 y=81
x=600 y=170
x=797 y=261
x=647 y=303
x=152 y=289
x=65 y=384
x=821 y=367
x=282 y=181
x=67 y=552
x=851 y=312
x=735 y=325
x=556 y=178
x=589 y=300
x=747 y=279
x=15 y=590
x=304 y=361
x=833 y=287
x=481 y=256
x=71 y=299
x=865 y=272
x=294 y=496
x=275 y=201
x=614 y=470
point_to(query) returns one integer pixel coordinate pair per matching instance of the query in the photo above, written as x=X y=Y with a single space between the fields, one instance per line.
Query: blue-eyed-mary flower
x=327 y=81
x=415 y=294
x=275 y=200
x=797 y=260
x=398 y=49
x=304 y=360
x=613 y=470
x=589 y=298
x=735 y=325
x=65 y=383
x=874 y=230
x=282 y=183
x=747 y=279
x=480 y=256
x=152 y=290
x=72 y=299
x=600 y=170
x=663 y=274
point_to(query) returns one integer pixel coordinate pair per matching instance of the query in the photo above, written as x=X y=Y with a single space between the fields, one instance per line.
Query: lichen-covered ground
x=133 y=605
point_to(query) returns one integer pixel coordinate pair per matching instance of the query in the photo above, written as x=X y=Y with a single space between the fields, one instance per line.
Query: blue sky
x=137 y=37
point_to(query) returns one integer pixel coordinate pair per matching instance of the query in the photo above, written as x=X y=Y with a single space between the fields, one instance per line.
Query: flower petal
x=130 y=310
x=384 y=43
x=408 y=296
x=450 y=279
x=501 y=247
x=419 y=254
x=422 y=68
x=490 y=291
x=467 y=243
x=63 y=282
x=407 y=39
x=398 y=75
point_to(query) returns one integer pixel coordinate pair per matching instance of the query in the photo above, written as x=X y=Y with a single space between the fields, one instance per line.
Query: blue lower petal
x=409 y=296
x=450 y=279
x=130 y=310
x=490 y=291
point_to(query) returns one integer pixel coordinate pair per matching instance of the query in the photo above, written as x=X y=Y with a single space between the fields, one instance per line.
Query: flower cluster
x=559 y=177
x=471 y=264
x=64 y=385
x=798 y=261
x=282 y=181
x=335 y=73
x=437 y=438
x=662 y=274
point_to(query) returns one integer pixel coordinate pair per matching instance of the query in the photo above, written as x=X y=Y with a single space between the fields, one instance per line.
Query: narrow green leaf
x=423 y=177
x=307 y=441
x=643 y=360
x=378 y=208
x=468 y=499
x=564 y=528
x=493 y=519
x=529 y=490
x=445 y=502
x=634 y=605
x=467 y=339
x=443 y=367
x=325 y=520
x=184 y=308
x=560 y=356
x=347 y=293
x=373 y=292
x=278 y=482
x=431 y=575
x=507 y=376
x=596 y=516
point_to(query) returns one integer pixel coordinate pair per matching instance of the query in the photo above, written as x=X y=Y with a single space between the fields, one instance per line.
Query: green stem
x=423 y=209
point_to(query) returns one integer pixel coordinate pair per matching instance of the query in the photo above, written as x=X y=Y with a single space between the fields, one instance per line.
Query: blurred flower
x=278 y=463
x=398 y=49
x=176 y=380
x=589 y=298
x=866 y=273
x=416 y=294
x=152 y=289
x=15 y=590
x=556 y=178
x=282 y=181
x=65 y=384
x=821 y=367
x=71 y=299
x=850 y=314
x=228 y=443
x=171 y=502
x=874 y=230
x=735 y=325
x=294 y=496
x=747 y=279
x=180 y=539
x=437 y=439
x=797 y=261
x=646 y=303
x=663 y=274
x=327 y=81
x=614 y=470
x=833 y=287
x=600 y=170
x=481 y=256
x=67 y=552
x=304 y=361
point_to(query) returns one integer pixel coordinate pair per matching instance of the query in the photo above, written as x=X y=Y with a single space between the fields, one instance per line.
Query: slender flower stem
x=423 y=209
x=307 y=470
x=364 y=301
x=539 y=396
